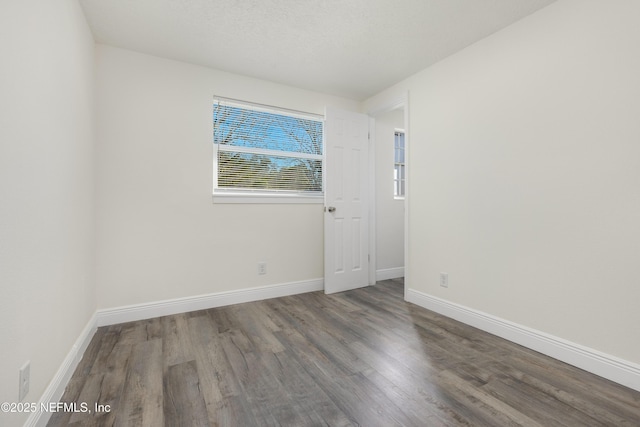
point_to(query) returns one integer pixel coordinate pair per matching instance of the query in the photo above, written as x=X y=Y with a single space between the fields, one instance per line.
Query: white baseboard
x=55 y=389
x=389 y=273
x=130 y=313
x=610 y=367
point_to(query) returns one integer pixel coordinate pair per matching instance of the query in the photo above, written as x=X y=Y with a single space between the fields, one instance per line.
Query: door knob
x=331 y=209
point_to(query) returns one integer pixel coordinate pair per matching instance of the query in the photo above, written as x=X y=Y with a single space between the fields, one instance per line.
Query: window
x=264 y=151
x=399 y=170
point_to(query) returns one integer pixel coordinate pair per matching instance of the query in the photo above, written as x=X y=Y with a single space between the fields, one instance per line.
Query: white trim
x=389 y=103
x=130 y=313
x=273 y=198
x=598 y=363
x=389 y=273
x=55 y=389
x=407 y=169
x=373 y=257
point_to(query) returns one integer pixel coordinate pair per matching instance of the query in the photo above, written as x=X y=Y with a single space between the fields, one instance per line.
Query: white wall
x=159 y=234
x=46 y=190
x=524 y=182
x=389 y=210
x=525 y=169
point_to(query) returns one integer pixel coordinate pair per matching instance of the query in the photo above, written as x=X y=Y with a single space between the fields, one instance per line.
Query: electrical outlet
x=25 y=374
x=444 y=280
x=262 y=268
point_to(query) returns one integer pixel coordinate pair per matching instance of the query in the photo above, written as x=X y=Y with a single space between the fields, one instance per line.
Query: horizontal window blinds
x=267 y=149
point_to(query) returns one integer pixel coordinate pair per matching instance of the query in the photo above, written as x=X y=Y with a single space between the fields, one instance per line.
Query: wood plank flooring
x=359 y=358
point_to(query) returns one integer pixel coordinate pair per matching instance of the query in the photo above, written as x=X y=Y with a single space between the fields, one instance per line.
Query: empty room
x=319 y=213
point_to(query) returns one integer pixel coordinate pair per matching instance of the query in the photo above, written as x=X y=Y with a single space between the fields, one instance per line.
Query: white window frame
x=402 y=180
x=226 y=195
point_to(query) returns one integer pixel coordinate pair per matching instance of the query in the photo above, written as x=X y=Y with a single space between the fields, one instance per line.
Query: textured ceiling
x=351 y=48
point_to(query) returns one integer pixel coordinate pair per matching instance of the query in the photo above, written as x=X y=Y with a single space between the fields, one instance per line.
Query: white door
x=346 y=216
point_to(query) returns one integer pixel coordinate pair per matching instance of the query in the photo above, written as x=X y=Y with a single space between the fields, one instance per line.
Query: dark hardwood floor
x=363 y=357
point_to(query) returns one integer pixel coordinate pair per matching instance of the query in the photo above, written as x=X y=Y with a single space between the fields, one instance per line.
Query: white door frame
x=379 y=107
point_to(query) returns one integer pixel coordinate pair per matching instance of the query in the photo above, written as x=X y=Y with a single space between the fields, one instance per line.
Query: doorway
x=390 y=191
x=390 y=168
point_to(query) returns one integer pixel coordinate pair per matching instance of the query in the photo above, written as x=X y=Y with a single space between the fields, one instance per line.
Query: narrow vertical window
x=399 y=174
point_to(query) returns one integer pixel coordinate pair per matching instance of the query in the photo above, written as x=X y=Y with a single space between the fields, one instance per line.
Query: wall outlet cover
x=444 y=280
x=25 y=374
x=262 y=268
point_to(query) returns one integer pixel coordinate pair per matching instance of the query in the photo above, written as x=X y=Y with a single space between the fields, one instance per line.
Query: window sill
x=230 y=197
